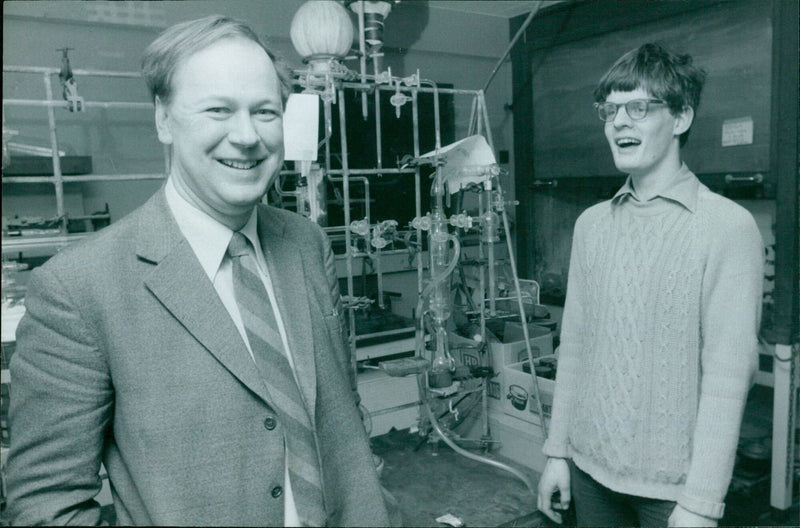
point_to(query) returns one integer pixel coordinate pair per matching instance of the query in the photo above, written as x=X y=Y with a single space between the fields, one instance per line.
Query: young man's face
x=644 y=146
x=224 y=121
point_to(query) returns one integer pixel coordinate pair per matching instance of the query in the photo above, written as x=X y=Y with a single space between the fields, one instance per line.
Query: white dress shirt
x=209 y=241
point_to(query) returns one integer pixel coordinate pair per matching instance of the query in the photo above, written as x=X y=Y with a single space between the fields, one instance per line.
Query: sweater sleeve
x=730 y=316
x=557 y=443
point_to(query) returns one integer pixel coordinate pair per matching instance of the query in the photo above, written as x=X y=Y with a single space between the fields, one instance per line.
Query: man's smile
x=627 y=142
x=240 y=164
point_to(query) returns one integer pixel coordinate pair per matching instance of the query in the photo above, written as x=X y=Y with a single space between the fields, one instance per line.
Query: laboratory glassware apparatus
x=467 y=165
x=433 y=363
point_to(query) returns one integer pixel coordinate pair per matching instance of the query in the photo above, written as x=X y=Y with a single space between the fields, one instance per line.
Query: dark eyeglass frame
x=602 y=108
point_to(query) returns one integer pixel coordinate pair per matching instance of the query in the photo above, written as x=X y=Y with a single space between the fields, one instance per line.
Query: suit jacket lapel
x=181 y=285
x=284 y=262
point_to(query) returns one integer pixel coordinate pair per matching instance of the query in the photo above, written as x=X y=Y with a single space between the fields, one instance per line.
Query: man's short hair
x=665 y=75
x=182 y=40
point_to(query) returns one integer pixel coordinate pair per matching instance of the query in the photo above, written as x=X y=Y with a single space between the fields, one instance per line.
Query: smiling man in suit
x=195 y=347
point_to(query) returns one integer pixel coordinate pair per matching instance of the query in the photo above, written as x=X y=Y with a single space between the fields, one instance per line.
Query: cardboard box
x=518 y=396
x=506 y=359
x=512 y=348
x=469 y=357
x=467 y=352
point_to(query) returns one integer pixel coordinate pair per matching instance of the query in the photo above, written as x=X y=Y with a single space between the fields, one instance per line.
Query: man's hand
x=682 y=517
x=555 y=477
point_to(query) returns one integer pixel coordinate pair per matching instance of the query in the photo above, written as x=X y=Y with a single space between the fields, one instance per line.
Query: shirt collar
x=682 y=188
x=207 y=237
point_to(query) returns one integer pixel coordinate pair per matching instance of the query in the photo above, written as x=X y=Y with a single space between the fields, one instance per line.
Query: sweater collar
x=682 y=188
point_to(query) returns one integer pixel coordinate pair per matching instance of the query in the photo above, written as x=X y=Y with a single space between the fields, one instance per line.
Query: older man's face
x=225 y=123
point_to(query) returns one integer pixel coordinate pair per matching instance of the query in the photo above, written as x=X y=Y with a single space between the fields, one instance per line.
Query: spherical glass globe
x=321 y=31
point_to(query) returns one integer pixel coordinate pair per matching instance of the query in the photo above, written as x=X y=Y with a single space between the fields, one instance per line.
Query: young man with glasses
x=658 y=340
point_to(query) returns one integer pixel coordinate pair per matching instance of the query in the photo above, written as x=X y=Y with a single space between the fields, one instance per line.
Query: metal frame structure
x=331 y=86
x=58 y=179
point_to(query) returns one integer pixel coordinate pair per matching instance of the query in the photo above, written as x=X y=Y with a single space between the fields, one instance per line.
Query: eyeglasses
x=636 y=109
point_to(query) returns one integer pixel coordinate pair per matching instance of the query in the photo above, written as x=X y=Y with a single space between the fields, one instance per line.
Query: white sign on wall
x=737 y=131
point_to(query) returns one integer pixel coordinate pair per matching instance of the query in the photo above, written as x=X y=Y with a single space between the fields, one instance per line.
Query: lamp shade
x=321 y=29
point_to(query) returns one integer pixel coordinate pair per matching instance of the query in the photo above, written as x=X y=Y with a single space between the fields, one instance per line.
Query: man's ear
x=683 y=120
x=163 y=122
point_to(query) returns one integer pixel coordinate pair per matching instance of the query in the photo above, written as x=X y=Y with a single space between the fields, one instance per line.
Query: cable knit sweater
x=658 y=343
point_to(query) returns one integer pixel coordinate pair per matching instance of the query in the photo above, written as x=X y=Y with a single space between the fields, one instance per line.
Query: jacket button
x=276 y=492
x=270 y=422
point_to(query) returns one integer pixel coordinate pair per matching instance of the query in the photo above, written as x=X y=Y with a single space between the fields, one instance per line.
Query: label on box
x=518 y=397
x=493 y=390
x=469 y=360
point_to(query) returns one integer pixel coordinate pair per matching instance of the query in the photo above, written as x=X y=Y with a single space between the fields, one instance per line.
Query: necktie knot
x=239 y=245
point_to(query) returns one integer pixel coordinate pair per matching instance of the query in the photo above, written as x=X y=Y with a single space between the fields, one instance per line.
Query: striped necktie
x=270 y=358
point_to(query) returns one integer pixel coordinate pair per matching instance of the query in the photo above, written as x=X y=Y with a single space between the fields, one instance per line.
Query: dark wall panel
x=732 y=41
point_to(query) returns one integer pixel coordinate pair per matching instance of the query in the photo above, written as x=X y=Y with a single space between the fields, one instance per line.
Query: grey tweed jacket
x=126 y=355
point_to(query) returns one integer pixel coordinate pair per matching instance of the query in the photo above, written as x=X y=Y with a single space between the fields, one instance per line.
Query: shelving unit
x=51 y=244
x=58 y=179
